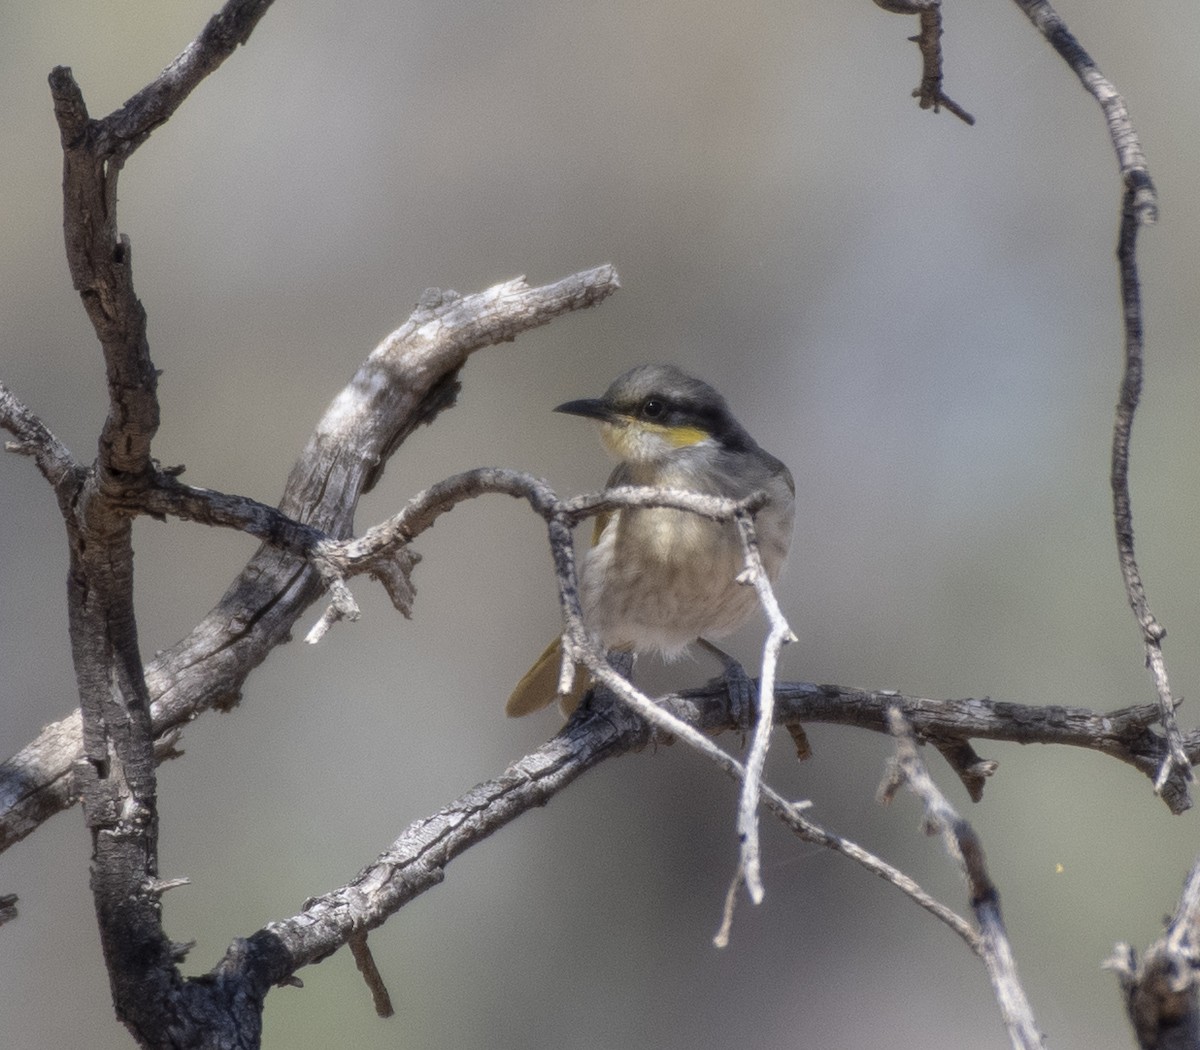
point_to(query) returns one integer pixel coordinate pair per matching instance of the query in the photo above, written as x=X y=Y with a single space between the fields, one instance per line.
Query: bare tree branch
x=1132 y=161
x=749 y=865
x=1139 y=207
x=365 y=962
x=929 y=92
x=37 y=782
x=1153 y=632
x=416 y=861
x=131 y=716
x=964 y=846
x=1161 y=991
x=122 y=131
x=405 y=381
x=949 y=725
x=34 y=439
x=115 y=777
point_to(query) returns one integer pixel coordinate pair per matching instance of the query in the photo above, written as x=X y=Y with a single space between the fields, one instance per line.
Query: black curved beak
x=590 y=407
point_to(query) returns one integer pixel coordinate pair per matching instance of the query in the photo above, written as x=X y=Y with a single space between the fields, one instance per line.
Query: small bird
x=656 y=579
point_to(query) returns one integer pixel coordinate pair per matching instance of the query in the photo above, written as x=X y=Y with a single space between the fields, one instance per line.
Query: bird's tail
x=538 y=687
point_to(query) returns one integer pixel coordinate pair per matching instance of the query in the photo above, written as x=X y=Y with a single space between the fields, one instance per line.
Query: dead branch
x=950 y=725
x=1161 y=989
x=130 y=715
x=34 y=439
x=1153 y=633
x=112 y=770
x=928 y=93
x=37 y=782
x=1139 y=207
x=405 y=381
x=115 y=778
x=779 y=634
x=417 y=860
x=1132 y=161
x=963 y=844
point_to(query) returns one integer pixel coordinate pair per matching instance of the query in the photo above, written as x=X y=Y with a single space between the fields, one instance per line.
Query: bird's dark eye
x=653 y=408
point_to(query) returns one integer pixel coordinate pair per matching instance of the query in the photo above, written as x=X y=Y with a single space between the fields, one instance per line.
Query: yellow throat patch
x=633 y=440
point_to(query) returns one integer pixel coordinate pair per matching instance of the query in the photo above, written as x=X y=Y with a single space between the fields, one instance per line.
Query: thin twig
x=34 y=439
x=1132 y=161
x=963 y=845
x=1139 y=207
x=750 y=864
x=365 y=962
x=818 y=836
x=929 y=92
x=380 y=545
x=721 y=937
x=1152 y=631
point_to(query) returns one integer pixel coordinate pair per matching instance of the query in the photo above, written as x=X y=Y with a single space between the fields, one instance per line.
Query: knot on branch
x=391 y=566
x=434 y=298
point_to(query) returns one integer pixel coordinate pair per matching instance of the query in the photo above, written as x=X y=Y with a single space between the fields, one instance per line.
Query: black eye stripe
x=654 y=408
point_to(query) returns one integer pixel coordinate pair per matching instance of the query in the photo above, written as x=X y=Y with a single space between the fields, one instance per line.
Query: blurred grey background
x=919 y=317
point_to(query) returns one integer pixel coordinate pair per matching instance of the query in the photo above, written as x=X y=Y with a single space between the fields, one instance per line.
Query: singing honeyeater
x=655 y=579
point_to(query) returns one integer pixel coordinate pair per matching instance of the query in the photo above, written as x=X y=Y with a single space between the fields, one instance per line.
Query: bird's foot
x=740 y=687
x=743 y=694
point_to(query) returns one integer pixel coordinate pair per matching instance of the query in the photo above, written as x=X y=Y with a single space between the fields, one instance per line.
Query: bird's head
x=653 y=413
